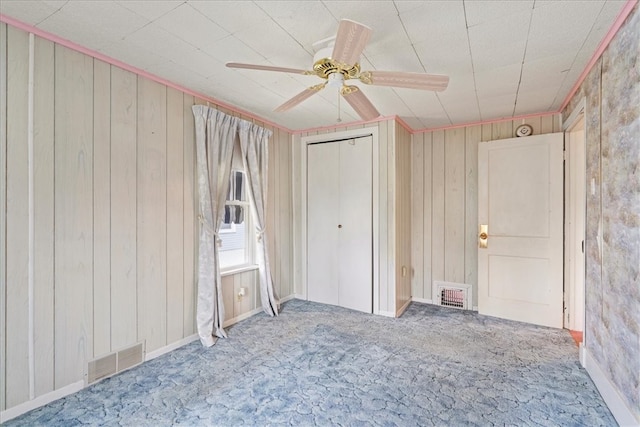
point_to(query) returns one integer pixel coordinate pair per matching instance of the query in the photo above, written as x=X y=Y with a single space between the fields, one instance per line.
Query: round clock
x=524 y=130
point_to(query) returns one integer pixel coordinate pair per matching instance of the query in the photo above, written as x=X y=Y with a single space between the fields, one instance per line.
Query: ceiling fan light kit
x=339 y=63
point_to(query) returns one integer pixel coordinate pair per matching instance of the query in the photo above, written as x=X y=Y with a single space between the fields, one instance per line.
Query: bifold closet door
x=339 y=210
x=323 y=184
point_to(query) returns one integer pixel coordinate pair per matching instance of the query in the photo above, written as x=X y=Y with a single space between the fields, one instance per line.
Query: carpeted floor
x=323 y=365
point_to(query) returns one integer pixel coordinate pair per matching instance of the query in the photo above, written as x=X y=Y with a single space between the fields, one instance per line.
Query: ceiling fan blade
x=266 y=68
x=351 y=39
x=423 y=81
x=307 y=93
x=359 y=102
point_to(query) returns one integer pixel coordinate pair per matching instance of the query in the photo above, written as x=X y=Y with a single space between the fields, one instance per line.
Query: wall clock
x=524 y=130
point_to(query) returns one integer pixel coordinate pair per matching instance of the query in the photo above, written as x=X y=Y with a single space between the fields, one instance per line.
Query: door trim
x=572 y=228
x=330 y=137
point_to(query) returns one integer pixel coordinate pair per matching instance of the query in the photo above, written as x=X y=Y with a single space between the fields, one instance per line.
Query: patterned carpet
x=323 y=365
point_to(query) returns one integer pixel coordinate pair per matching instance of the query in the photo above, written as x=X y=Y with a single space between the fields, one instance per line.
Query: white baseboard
x=612 y=398
x=168 y=348
x=385 y=313
x=243 y=316
x=288 y=298
x=300 y=296
x=422 y=300
x=39 y=401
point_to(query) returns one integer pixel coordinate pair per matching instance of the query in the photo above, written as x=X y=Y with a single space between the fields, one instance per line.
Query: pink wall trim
x=361 y=122
x=626 y=10
x=102 y=57
x=487 y=122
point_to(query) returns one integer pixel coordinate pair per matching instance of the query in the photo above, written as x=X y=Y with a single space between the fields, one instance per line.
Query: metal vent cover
x=115 y=362
x=454 y=295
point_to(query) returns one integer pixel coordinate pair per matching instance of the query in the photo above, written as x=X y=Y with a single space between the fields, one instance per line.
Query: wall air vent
x=115 y=362
x=454 y=295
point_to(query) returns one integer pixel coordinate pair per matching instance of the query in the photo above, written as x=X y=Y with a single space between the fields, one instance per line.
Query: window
x=237 y=248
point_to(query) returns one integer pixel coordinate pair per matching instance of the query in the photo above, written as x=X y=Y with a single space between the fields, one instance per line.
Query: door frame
x=575 y=204
x=375 y=155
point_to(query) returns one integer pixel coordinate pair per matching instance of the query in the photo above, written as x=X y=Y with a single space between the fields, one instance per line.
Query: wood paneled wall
x=402 y=221
x=98 y=208
x=444 y=201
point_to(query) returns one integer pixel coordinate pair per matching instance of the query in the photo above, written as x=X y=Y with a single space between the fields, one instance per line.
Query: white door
x=339 y=212
x=520 y=184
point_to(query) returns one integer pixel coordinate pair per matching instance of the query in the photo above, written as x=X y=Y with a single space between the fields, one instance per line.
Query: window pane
x=233 y=250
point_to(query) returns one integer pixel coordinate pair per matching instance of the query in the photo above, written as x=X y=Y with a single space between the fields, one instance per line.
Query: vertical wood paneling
x=3 y=207
x=502 y=130
x=403 y=219
x=175 y=215
x=284 y=190
x=43 y=168
x=451 y=160
x=473 y=135
x=228 y=296
x=73 y=214
x=243 y=304
x=101 y=208
x=113 y=215
x=17 y=220
x=417 y=216
x=189 y=239
x=454 y=209
x=546 y=124
x=152 y=213
x=427 y=220
x=124 y=117
x=437 y=206
x=384 y=303
x=272 y=210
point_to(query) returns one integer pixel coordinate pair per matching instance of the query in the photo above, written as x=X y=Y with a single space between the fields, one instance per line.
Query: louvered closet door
x=339 y=267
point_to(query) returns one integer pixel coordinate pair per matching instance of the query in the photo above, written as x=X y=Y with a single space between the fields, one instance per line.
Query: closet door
x=339 y=223
x=355 y=233
x=323 y=174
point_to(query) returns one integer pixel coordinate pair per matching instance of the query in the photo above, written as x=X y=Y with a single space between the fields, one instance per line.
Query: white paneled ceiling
x=504 y=58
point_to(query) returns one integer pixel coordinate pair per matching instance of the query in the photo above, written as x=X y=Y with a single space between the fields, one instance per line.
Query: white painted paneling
x=175 y=215
x=454 y=206
x=43 y=187
x=73 y=214
x=189 y=240
x=17 y=220
x=417 y=216
x=113 y=184
x=438 y=206
x=124 y=118
x=101 y=209
x=3 y=208
x=152 y=213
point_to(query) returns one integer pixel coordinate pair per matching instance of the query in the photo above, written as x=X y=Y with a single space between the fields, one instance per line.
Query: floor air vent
x=455 y=295
x=113 y=363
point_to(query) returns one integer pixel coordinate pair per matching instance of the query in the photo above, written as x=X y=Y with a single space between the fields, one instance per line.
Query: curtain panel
x=216 y=135
x=254 y=142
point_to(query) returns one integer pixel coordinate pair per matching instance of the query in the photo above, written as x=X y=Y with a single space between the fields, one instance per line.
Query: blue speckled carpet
x=322 y=365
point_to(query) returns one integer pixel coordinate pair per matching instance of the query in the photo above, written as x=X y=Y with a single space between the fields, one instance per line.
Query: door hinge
x=583 y=246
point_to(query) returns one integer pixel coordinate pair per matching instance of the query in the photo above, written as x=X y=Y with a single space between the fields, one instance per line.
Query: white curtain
x=254 y=142
x=216 y=133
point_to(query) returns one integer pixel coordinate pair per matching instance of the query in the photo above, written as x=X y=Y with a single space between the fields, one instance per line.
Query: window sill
x=236 y=269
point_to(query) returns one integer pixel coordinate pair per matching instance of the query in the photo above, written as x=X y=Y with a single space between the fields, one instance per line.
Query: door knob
x=483 y=236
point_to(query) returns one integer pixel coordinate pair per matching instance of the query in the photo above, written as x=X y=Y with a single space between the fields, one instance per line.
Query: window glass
x=235 y=248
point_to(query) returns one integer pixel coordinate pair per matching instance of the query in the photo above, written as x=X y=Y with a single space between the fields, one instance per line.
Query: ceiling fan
x=339 y=63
